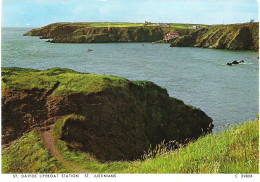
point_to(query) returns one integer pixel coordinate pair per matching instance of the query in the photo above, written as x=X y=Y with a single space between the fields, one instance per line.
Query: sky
x=37 y=13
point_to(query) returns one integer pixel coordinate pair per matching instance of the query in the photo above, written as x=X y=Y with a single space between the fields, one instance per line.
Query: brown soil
x=48 y=138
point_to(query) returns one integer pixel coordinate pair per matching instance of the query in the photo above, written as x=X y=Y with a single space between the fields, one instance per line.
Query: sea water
x=199 y=77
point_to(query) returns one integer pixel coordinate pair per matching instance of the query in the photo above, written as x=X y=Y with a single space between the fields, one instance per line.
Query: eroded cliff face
x=109 y=117
x=234 y=37
x=78 y=33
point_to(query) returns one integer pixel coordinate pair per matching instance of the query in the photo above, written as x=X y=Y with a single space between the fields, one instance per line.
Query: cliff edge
x=84 y=33
x=109 y=117
x=233 y=37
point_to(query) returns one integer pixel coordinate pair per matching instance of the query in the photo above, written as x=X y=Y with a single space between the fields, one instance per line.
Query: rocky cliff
x=109 y=117
x=234 y=37
x=81 y=33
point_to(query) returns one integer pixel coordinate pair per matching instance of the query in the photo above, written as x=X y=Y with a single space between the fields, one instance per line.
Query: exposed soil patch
x=24 y=110
x=48 y=138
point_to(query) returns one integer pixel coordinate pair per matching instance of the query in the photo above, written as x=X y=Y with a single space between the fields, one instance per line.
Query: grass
x=93 y=32
x=70 y=81
x=119 y=24
x=180 y=26
x=30 y=155
x=60 y=123
x=234 y=150
x=125 y=24
x=175 y=26
x=231 y=36
x=112 y=24
x=103 y=24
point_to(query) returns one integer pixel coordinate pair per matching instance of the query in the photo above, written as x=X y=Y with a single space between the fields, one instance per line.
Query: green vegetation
x=121 y=24
x=112 y=24
x=99 y=32
x=29 y=154
x=112 y=119
x=179 y=26
x=234 y=150
x=100 y=24
x=235 y=37
x=57 y=129
x=108 y=109
x=82 y=160
x=70 y=81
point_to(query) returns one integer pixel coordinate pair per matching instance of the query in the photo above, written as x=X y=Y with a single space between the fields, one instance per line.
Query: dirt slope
x=48 y=138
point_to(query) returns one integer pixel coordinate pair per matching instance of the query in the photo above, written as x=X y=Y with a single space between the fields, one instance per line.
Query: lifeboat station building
x=170 y=36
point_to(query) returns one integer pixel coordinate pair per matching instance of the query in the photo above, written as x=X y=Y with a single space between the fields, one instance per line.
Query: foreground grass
x=234 y=150
x=30 y=155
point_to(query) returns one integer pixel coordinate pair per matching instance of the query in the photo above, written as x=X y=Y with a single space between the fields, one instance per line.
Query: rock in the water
x=235 y=62
x=229 y=64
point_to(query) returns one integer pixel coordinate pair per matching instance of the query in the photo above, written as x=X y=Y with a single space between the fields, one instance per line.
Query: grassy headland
x=109 y=117
x=97 y=119
x=107 y=32
x=234 y=36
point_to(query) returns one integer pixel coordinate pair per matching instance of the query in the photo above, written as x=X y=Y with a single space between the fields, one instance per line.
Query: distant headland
x=234 y=36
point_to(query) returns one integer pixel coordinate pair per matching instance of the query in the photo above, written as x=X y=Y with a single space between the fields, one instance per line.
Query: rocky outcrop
x=235 y=62
x=109 y=117
x=188 y=40
x=234 y=37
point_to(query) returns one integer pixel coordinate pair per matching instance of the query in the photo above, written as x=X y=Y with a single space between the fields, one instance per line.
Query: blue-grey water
x=199 y=77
